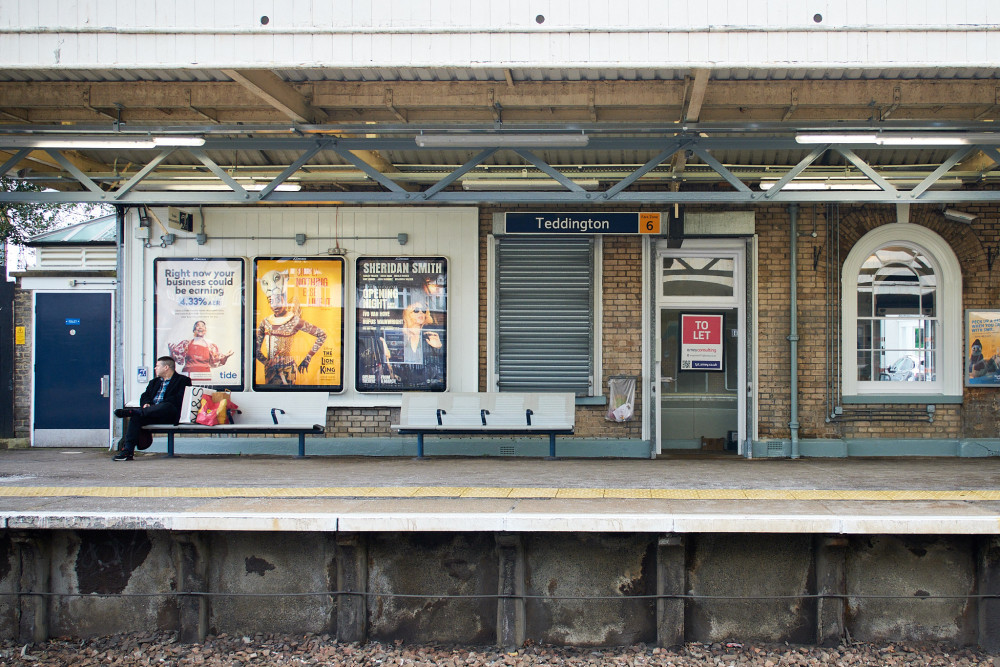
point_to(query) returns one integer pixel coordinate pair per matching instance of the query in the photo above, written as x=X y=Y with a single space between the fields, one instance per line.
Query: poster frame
x=680 y=341
x=361 y=322
x=231 y=386
x=991 y=379
x=331 y=388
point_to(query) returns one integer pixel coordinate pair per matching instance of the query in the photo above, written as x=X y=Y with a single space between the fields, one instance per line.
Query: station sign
x=701 y=342
x=584 y=224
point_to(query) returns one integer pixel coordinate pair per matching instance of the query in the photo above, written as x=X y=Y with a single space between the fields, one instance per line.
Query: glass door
x=700 y=347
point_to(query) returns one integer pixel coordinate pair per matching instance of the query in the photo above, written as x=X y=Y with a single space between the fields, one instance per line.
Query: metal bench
x=507 y=413
x=259 y=413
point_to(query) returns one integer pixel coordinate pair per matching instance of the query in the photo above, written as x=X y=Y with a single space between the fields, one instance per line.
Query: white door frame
x=732 y=248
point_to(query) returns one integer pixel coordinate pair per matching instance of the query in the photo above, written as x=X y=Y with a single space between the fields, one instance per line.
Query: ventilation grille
x=777 y=448
x=507 y=450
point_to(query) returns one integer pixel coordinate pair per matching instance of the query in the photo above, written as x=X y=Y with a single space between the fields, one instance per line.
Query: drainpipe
x=793 y=336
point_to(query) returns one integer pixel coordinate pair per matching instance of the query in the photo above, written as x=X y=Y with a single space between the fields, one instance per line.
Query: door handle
x=106 y=386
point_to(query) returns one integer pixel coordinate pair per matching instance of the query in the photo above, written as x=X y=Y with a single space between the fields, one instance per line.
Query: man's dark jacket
x=174 y=395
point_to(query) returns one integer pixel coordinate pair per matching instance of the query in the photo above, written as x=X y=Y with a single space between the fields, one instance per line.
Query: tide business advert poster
x=198 y=312
x=402 y=324
x=298 y=342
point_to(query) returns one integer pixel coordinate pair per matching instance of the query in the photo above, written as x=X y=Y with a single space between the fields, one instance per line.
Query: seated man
x=161 y=404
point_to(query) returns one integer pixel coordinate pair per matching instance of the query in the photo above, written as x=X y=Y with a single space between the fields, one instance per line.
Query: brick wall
x=22 y=364
x=979 y=416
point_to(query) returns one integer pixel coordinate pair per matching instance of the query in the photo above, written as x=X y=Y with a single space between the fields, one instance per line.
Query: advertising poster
x=701 y=342
x=402 y=323
x=298 y=342
x=199 y=313
x=982 y=353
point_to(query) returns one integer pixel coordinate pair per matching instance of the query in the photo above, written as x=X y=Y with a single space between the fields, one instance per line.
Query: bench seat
x=500 y=413
x=260 y=413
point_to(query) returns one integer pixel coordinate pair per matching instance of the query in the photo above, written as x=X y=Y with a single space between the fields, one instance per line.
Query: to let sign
x=701 y=342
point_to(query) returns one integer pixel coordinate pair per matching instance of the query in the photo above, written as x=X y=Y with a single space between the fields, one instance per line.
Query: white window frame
x=948 y=302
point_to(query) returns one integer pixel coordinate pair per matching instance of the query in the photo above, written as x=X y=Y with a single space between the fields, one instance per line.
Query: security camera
x=959 y=216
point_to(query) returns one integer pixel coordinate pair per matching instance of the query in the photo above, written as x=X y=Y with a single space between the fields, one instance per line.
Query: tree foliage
x=19 y=222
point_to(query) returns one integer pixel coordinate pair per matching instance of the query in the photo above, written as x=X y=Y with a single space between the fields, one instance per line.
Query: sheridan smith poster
x=298 y=324
x=402 y=323
x=198 y=311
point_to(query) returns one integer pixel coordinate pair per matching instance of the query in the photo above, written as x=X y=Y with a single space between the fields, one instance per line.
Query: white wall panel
x=500 y=33
x=262 y=232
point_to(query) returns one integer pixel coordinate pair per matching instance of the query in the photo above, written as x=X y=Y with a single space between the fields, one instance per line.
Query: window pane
x=864 y=301
x=864 y=334
x=864 y=365
x=698 y=276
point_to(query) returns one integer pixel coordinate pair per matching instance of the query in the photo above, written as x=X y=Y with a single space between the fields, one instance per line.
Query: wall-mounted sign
x=701 y=342
x=587 y=224
x=982 y=348
x=19 y=335
x=298 y=307
x=199 y=318
x=402 y=323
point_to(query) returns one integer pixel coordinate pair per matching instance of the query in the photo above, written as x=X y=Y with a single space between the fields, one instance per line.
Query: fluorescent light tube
x=23 y=141
x=500 y=140
x=833 y=138
x=523 y=184
x=901 y=138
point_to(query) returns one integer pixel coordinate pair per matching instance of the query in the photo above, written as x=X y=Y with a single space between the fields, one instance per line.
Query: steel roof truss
x=945 y=167
x=720 y=169
x=292 y=168
x=992 y=153
x=374 y=173
x=543 y=166
x=218 y=171
x=866 y=169
x=458 y=173
x=795 y=171
x=75 y=171
x=17 y=157
x=665 y=155
x=143 y=173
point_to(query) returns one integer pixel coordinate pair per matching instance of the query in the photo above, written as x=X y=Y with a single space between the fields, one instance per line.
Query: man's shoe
x=125 y=412
x=123 y=456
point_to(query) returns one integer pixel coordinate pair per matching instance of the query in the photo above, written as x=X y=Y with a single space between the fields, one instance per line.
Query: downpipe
x=793 y=335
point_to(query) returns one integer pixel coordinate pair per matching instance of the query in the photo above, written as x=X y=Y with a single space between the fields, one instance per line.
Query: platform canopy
x=204 y=103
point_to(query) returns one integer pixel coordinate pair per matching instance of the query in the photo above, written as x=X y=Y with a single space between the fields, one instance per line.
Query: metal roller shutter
x=545 y=291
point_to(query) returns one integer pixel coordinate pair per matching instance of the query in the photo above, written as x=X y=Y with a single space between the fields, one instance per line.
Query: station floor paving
x=80 y=488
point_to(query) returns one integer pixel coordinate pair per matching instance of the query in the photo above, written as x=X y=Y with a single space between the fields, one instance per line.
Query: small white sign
x=142 y=375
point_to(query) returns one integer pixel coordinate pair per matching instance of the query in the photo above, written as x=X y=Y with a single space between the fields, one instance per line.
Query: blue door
x=72 y=370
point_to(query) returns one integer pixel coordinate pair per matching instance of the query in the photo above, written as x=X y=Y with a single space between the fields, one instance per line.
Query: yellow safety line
x=492 y=492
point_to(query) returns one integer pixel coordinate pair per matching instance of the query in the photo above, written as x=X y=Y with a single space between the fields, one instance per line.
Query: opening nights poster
x=298 y=342
x=402 y=323
x=199 y=318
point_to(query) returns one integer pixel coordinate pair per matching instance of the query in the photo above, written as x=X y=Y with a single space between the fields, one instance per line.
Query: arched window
x=902 y=317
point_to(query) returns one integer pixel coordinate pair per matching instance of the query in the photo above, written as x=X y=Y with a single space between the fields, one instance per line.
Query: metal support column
x=793 y=336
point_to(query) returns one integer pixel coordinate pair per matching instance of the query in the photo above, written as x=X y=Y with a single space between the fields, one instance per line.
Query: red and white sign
x=701 y=342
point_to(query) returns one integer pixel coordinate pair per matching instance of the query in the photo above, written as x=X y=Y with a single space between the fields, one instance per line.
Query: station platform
x=77 y=488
